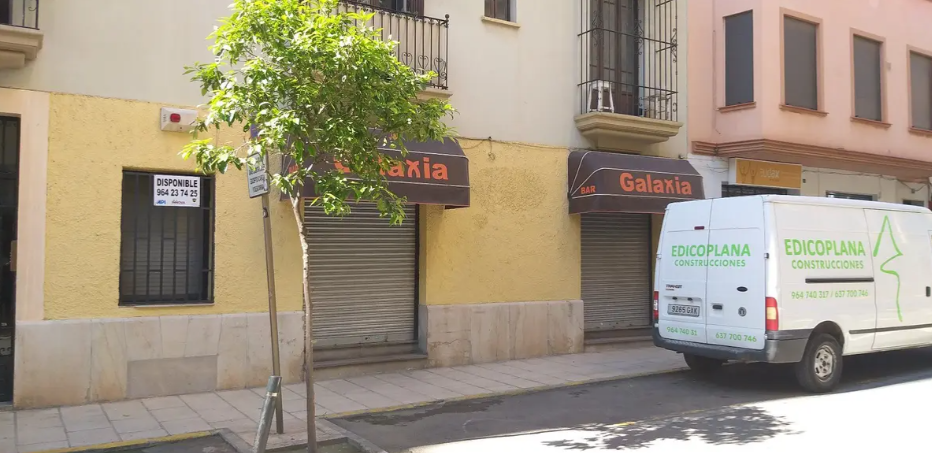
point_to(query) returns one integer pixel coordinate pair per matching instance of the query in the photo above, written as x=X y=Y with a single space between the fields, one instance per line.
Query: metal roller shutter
x=363 y=274
x=615 y=270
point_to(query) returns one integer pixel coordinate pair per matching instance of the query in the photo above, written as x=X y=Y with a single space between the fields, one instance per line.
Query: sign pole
x=258 y=183
x=273 y=309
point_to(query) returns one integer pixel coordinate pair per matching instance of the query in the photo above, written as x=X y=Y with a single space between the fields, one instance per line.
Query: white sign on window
x=178 y=191
x=258 y=179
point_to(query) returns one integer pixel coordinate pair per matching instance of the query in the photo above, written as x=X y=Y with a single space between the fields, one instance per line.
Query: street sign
x=258 y=179
x=176 y=191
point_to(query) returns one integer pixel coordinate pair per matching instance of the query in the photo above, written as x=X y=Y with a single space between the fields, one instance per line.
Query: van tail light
x=772 y=321
x=656 y=306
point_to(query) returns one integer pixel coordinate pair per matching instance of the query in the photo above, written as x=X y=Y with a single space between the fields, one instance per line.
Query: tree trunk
x=308 y=333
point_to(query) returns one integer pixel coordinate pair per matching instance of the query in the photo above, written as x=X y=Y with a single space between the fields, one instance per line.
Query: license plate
x=683 y=310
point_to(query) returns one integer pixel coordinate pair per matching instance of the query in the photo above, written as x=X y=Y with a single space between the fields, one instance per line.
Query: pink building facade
x=821 y=98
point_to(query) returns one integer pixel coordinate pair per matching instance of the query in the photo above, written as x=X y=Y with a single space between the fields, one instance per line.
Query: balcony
x=20 y=38
x=628 y=72
x=423 y=42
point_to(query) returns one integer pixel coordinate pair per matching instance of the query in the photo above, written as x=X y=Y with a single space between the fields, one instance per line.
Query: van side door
x=902 y=261
x=825 y=271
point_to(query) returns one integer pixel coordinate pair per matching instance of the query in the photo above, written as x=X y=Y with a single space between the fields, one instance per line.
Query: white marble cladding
x=87 y=360
x=480 y=333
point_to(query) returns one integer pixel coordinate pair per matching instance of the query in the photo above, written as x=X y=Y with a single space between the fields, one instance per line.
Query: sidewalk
x=238 y=410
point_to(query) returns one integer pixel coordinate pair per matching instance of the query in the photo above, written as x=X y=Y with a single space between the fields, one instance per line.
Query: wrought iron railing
x=20 y=13
x=423 y=42
x=628 y=58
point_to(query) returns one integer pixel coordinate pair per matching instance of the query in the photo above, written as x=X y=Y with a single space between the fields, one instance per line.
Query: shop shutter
x=363 y=274
x=616 y=270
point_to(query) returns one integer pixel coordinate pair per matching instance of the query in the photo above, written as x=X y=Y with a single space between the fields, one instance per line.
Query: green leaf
x=314 y=82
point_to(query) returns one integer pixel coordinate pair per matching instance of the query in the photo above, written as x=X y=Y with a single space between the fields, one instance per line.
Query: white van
x=786 y=279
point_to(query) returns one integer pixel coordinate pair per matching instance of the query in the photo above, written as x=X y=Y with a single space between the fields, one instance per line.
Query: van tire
x=702 y=365
x=820 y=369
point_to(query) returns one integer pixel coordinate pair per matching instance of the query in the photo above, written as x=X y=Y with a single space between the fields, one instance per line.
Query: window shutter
x=739 y=59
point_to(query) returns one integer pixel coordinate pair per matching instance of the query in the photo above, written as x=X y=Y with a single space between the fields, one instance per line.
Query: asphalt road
x=883 y=402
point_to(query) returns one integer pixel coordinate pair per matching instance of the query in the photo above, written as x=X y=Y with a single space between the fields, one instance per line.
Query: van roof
x=824 y=201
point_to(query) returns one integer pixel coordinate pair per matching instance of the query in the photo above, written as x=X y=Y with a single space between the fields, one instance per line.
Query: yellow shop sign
x=766 y=174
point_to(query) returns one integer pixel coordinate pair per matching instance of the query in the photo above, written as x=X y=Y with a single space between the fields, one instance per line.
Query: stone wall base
x=478 y=333
x=89 y=360
x=73 y=362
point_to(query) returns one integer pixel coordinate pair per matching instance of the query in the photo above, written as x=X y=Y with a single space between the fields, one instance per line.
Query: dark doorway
x=615 y=52
x=6 y=12
x=9 y=193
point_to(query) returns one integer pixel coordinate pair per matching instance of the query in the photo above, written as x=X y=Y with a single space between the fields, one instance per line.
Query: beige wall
x=510 y=82
x=900 y=23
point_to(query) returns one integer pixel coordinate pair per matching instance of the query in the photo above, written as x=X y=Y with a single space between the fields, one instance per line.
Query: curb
x=354 y=439
x=495 y=394
x=131 y=443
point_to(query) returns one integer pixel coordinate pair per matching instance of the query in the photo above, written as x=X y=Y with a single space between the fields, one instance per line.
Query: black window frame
x=743 y=65
x=914 y=106
x=143 y=199
x=919 y=203
x=795 y=93
x=737 y=190
x=411 y=7
x=500 y=9
x=860 y=98
x=850 y=196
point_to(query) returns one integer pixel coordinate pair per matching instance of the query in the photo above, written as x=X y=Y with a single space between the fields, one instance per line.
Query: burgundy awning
x=610 y=182
x=433 y=172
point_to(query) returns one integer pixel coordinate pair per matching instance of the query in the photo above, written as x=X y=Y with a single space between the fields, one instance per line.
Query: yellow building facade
x=531 y=267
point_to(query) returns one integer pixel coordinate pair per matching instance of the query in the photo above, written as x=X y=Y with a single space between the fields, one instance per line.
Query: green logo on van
x=886 y=228
x=812 y=254
x=820 y=247
x=712 y=255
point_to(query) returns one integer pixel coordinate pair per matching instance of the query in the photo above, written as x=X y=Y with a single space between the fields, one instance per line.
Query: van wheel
x=820 y=369
x=702 y=365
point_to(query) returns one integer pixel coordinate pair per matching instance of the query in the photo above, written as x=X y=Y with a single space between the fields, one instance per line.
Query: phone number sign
x=177 y=191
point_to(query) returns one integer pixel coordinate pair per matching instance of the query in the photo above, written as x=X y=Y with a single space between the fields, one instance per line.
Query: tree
x=315 y=82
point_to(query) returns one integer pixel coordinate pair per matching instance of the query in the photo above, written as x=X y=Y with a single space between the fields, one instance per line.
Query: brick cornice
x=818 y=156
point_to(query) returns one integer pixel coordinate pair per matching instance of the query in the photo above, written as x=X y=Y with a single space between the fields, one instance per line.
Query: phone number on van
x=682 y=331
x=841 y=293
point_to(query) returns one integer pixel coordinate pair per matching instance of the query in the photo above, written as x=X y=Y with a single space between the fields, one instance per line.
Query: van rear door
x=735 y=256
x=681 y=272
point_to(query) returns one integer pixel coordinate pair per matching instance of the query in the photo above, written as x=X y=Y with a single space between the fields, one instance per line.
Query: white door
x=825 y=271
x=735 y=304
x=902 y=261
x=681 y=271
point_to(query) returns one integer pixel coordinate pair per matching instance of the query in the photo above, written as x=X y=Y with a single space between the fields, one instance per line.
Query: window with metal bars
x=498 y=9
x=166 y=252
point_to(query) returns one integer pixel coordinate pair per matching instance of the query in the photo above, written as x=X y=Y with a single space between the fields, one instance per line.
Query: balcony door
x=400 y=6
x=614 y=51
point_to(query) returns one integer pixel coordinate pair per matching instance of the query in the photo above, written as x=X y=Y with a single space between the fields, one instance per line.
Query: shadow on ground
x=632 y=413
x=734 y=426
